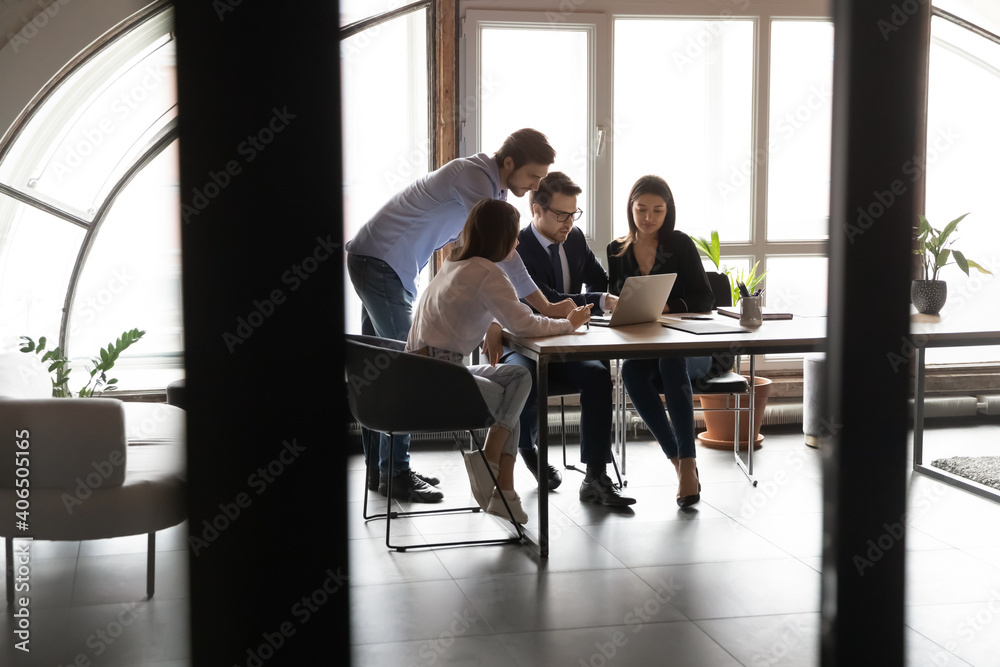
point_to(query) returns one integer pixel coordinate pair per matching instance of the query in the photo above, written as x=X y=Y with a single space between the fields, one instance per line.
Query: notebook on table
x=703 y=326
x=641 y=300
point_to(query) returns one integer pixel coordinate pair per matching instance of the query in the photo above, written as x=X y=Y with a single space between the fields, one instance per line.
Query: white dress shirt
x=461 y=302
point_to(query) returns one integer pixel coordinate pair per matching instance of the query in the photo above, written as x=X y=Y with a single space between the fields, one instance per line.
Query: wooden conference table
x=798 y=335
x=652 y=340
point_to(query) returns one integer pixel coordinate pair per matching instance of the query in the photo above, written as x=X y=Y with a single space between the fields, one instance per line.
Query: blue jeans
x=505 y=388
x=645 y=379
x=387 y=312
x=593 y=380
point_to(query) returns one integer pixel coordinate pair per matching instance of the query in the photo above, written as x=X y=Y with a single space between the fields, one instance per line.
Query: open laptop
x=641 y=300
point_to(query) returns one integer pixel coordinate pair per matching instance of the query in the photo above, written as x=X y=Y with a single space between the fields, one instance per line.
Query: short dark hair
x=555 y=183
x=489 y=232
x=524 y=146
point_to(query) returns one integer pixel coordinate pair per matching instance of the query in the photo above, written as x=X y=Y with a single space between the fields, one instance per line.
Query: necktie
x=557 y=267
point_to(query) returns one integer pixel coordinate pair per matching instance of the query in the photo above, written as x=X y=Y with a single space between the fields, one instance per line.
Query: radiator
x=775 y=413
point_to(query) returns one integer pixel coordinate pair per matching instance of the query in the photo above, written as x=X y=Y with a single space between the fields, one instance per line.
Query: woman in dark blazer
x=653 y=246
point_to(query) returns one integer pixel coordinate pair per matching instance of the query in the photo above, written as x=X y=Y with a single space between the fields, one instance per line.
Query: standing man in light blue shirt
x=388 y=253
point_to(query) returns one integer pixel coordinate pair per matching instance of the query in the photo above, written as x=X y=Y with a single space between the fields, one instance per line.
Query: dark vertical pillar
x=879 y=46
x=259 y=89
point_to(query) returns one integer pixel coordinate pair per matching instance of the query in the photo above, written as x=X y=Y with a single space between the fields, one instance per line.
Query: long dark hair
x=654 y=185
x=489 y=232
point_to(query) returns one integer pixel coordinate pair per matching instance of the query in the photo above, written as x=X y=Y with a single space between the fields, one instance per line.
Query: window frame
x=601 y=15
x=155 y=145
x=599 y=107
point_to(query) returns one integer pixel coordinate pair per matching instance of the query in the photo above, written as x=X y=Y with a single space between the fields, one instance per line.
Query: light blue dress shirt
x=429 y=214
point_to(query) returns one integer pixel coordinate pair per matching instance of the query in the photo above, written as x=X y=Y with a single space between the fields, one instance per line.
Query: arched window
x=89 y=220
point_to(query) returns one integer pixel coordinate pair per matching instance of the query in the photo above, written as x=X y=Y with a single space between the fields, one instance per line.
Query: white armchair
x=82 y=483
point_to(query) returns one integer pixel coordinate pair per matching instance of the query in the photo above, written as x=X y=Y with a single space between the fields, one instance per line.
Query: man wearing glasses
x=560 y=262
x=386 y=256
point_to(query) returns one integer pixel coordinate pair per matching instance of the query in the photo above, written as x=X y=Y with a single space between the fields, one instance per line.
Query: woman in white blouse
x=471 y=298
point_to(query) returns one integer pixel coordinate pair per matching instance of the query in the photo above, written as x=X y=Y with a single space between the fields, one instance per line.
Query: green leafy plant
x=59 y=366
x=934 y=247
x=750 y=279
x=713 y=250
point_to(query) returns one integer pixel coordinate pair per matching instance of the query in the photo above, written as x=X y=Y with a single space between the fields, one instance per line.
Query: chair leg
x=620 y=399
x=389 y=514
x=503 y=540
x=562 y=418
x=621 y=482
x=496 y=485
x=562 y=421
x=150 y=565
x=8 y=549
x=364 y=507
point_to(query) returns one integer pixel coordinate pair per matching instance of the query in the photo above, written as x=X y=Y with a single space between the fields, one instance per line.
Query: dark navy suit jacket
x=584 y=269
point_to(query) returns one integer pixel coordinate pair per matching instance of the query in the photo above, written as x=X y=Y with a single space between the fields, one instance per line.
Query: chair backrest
x=392 y=390
x=720 y=288
x=387 y=343
x=71 y=442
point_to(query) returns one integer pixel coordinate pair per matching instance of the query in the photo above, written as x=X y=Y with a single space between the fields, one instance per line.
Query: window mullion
x=602 y=68
x=761 y=132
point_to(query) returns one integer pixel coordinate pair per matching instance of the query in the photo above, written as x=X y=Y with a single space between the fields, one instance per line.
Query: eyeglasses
x=563 y=216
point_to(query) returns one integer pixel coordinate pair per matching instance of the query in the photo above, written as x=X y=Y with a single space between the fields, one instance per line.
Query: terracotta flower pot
x=719 y=433
x=928 y=296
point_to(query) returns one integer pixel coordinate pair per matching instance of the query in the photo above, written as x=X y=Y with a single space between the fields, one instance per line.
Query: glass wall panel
x=683 y=108
x=37 y=256
x=963 y=140
x=513 y=95
x=385 y=131
x=799 y=135
x=95 y=125
x=132 y=278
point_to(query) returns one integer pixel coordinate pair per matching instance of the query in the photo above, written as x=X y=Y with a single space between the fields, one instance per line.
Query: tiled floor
x=732 y=581
x=88 y=599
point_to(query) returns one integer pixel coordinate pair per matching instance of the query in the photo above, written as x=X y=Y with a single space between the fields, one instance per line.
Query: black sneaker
x=530 y=459
x=603 y=491
x=374 y=477
x=427 y=479
x=407 y=486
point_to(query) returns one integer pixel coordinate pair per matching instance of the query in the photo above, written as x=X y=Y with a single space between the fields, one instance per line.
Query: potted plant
x=720 y=425
x=713 y=250
x=934 y=246
x=59 y=366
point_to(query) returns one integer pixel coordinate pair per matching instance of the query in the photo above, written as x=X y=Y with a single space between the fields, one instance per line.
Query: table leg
x=542 y=392
x=750 y=435
x=918 y=407
x=748 y=468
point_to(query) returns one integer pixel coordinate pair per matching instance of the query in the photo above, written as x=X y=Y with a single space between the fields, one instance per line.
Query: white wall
x=51 y=39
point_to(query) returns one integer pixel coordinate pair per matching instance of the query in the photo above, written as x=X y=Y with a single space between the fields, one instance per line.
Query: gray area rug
x=982 y=469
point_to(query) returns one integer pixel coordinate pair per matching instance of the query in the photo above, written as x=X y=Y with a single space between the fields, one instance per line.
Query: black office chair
x=561 y=392
x=720 y=288
x=393 y=391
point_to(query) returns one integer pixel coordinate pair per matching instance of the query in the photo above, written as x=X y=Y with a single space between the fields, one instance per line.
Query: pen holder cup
x=750 y=313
